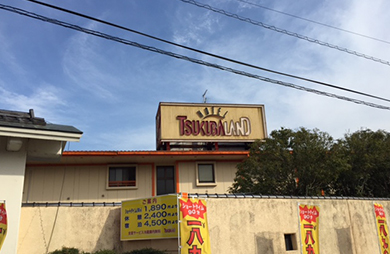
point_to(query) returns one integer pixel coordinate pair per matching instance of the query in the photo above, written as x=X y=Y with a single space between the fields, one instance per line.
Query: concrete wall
x=87 y=228
x=259 y=225
x=236 y=225
x=12 y=166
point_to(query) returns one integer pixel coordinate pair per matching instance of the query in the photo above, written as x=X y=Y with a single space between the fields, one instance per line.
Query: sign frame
x=150 y=215
x=209 y=122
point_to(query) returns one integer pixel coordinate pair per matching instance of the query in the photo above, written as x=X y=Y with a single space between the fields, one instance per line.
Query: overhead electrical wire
x=206 y=53
x=182 y=57
x=283 y=31
x=313 y=21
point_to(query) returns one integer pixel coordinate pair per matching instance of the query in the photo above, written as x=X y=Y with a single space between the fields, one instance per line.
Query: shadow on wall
x=264 y=245
x=109 y=237
x=344 y=240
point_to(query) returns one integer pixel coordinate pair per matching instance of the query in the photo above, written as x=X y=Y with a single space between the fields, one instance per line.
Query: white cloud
x=8 y=59
x=195 y=27
x=118 y=139
x=86 y=64
x=44 y=100
x=290 y=108
x=111 y=91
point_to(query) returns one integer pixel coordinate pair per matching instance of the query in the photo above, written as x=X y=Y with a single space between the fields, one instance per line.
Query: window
x=165 y=180
x=290 y=241
x=205 y=173
x=122 y=176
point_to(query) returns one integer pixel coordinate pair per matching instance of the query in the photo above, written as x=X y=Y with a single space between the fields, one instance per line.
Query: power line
x=182 y=57
x=283 y=31
x=206 y=53
x=313 y=21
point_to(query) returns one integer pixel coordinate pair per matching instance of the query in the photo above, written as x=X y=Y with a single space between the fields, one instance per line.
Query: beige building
x=197 y=149
x=117 y=176
x=76 y=201
x=25 y=138
x=80 y=196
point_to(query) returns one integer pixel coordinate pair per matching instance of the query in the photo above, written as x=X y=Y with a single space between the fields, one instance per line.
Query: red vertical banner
x=309 y=217
x=3 y=223
x=194 y=233
x=382 y=229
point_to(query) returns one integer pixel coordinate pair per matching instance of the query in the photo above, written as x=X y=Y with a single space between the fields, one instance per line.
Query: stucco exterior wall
x=236 y=225
x=86 y=228
x=12 y=166
x=259 y=225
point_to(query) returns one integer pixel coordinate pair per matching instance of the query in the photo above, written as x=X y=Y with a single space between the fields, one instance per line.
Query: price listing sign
x=149 y=218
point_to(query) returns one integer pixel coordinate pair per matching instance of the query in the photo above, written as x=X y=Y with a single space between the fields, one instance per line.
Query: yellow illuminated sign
x=149 y=218
x=210 y=122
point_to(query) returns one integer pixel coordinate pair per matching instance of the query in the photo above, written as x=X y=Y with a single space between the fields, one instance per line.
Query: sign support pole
x=178 y=223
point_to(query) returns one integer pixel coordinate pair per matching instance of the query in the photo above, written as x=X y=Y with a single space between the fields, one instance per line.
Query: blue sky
x=111 y=91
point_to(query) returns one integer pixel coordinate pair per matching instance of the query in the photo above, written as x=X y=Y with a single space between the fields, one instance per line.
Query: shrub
x=66 y=250
x=146 y=251
x=105 y=252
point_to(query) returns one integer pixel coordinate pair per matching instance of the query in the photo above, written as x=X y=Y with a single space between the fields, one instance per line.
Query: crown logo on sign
x=211 y=112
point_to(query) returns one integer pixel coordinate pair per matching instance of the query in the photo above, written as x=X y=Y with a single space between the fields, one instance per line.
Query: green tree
x=368 y=154
x=302 y=162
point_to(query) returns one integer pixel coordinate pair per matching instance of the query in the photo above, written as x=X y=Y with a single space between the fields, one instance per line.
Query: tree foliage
x=368 y=155
x=310 y=162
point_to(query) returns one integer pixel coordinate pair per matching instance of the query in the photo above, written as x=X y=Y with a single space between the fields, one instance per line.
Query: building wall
x=12 y=166
x=224 y=174
x=80 y=184
x=87 y=183
x=236 y=225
